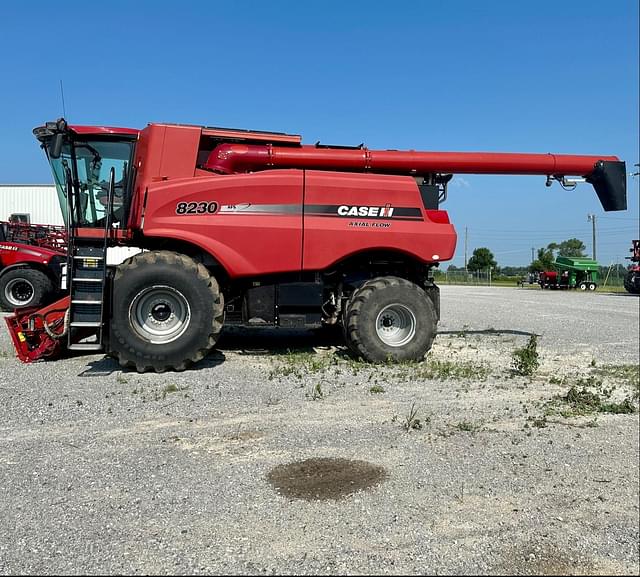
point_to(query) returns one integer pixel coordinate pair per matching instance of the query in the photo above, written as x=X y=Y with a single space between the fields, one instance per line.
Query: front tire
x=390 y=319
x=167 y=312
x=24 y=287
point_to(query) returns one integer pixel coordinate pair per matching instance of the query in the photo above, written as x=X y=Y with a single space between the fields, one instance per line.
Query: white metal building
x=39 y=201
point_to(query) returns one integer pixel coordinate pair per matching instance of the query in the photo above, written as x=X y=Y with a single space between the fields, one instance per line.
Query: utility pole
x=532 y=253
x=465 y=249
x=592 y=218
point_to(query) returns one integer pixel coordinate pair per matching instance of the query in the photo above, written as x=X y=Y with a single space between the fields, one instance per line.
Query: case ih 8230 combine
x=253 y=228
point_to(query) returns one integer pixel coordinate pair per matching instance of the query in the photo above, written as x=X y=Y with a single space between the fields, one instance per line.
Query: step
x=85 y=347
x=87 y=257
x=85 y=302
x=93 y=324
x=79 y=279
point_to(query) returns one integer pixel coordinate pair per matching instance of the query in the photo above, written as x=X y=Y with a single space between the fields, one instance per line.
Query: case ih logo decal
x=385 y=211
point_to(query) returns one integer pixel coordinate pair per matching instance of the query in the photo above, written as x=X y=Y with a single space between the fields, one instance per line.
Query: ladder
x=87 y=278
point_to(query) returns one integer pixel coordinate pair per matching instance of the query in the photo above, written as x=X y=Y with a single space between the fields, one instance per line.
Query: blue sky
x=544 y=76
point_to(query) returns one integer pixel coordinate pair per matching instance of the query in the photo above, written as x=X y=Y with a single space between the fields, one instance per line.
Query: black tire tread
x=42 y=286
x=628 y=284
x=126 y=357
x=360 y=296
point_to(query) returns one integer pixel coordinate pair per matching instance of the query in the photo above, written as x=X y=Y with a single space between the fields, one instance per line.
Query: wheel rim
x=159 y=314
x=583 y=287
x=395 y=325
x=18 y=292
x=592 y=287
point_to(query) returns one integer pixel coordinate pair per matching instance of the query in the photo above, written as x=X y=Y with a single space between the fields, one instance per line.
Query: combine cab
x=571 y=273
x=632 y=278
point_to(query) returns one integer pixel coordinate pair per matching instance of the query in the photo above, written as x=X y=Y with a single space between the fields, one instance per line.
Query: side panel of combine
x=348 y=213
x=251 y=223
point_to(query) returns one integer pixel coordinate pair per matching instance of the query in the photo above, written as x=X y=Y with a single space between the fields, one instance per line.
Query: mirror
x=55 y=146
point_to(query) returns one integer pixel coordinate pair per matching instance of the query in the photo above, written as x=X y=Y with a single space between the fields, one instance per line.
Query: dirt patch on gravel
x=321 y=479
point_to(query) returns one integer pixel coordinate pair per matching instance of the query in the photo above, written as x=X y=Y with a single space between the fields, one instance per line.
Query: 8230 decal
x=197 y=207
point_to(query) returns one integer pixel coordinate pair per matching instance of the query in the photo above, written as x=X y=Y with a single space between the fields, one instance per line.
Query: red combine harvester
x=632 y=277
x=253 y=228
x=31 y=259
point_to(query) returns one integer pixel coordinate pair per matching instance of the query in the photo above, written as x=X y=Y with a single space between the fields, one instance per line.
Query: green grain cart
x=571 y=272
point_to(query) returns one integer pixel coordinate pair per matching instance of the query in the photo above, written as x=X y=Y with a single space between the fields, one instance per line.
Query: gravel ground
x=105 y=471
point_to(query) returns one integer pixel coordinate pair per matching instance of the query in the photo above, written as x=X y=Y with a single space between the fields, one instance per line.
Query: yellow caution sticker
x=21 y=337
x=90 y=262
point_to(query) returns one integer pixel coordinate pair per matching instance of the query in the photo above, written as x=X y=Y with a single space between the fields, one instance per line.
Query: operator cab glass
x=88 y=163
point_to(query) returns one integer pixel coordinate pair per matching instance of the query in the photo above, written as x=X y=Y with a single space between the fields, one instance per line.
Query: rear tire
x=167 y=312
x=592 y=286
x=24 y=287
x=390 y=319
x=583 y=286
x=632 y=283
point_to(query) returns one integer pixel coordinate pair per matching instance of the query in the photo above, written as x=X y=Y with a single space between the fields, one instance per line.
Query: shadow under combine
x=277 y=341
x=108 y=365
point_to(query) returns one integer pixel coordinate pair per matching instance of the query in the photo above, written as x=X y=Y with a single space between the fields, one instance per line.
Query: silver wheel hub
x=18 y=292
x=396 y=325
x=159 y=314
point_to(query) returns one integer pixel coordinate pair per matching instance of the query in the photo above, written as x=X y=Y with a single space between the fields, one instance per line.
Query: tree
x=481 y=259
x=572 y=247
x=544 y=261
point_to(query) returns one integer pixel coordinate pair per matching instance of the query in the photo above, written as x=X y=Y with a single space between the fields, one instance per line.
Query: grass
x=376 y=389
x=411 y=421
x=627 y=375
x=434 y=369
x=612 y=389
x=316 y=393
x=584 y=400
x=538 y=422
x=468 y=426
x=525 y=361
x=298 y=365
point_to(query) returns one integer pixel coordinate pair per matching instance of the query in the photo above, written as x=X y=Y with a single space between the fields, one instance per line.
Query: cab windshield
x=89 y=164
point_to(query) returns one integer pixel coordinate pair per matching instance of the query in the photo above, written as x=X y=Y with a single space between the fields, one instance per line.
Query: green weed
x=578 y=402
x=628 y=375
x=411 y=421
x=443 y=370
x=316 y=393
x=525 y=360
x=468 y=426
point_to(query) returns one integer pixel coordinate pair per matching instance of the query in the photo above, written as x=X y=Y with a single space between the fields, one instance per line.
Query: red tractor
x=253 y=228
x=31 y=260
x=632 y=277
